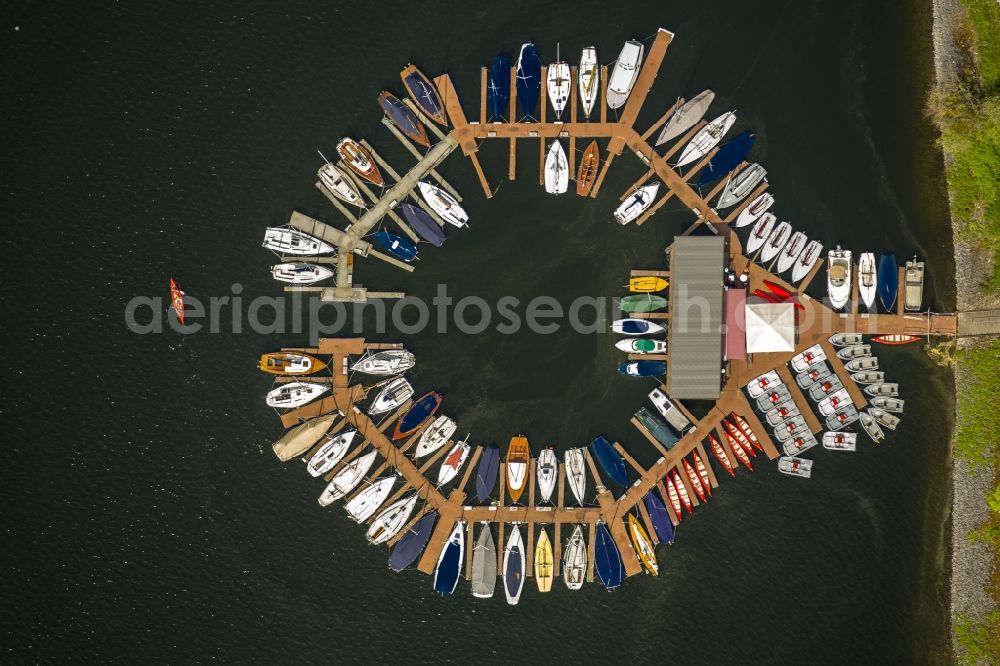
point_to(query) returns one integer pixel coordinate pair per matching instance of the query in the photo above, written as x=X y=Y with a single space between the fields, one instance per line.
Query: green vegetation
x=978 y=639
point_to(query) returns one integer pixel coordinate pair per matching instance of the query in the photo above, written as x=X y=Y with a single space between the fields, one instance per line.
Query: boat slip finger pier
x=784 y=373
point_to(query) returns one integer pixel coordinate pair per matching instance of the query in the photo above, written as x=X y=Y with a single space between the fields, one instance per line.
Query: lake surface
x=146 y=516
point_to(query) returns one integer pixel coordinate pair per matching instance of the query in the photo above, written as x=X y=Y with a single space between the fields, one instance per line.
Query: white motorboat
x=589 y=79
x=838 y=277
x=387 y=362
x=840 y=441
x=546 y=473
x=793 y=427
x=435 y=436
x=556 y=169
x=842 y=418
x=819 y=390
x=884 y=418
x=340 y=185
x=300 y=273
x=887 y=390
x=740 y=186
x=855 y=352
x=764 y=382
x=685 y=117
x=576 y=473
x=636 y=203
x=668 y=410
x=775 y=242
x=331 y=452
x=292 y=241
x=635 y=326
x=795 y=466
x=575 y=559
x=388 y=523
x=295 y=394
x=367 y=502
x=846 y=339
x=833 y=402
x=514 y=566
x=867 y=279
x=868 y=377
x=558 y=86
x=860 y=365
x=708 y=137
x=888 y=404
x=806 y=260
x=641 y=346
x=453 y=462
x=347 y=479
x=871 y=427
x=780 y=414
x=817 y=373
x=808 y=357
x=392 y=395
x=760 y=205
x=797 y=445
x=443 y=204
x=792 y=250
x=626 y=70
x=760 y=233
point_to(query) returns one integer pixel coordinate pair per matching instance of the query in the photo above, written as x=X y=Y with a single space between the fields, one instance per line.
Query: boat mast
x=323 y=156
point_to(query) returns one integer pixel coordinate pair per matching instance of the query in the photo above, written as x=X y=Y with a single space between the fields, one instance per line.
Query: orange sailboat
x=177 y=300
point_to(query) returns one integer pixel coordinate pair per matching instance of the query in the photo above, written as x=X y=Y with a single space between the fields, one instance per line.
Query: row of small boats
x=883 y=281
x=645 y=301
x=776 y=242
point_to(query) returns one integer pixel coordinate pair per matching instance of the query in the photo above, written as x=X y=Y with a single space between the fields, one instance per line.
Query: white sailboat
x=838 y=277
x=686 y=116
x=557 y=83
x=776 y=241
x=708 y=137
x=575 y=560
x=588 y=79
x=387 y=362
x=388 y=523
x=754 y=210
x=637 y=203
x=392 y=395
x=453 y=462
x=741 y=185
x=546 y=473
x=760 y=233
x=339 y=184
x=792 y=250
x=292 y=241
x=556 y=169
x=295 y=394
x=331 y=453
x=867 y=279
x=300 y=273
x=576 y=473
x=347 y=479
x=443 y=204
x=625 y=73
x=806 y=260
x=367 y=502
x=435 y=436
x=514 y=566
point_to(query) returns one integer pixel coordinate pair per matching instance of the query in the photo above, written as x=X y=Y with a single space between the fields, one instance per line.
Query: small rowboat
x=695 y=480
x=587 y=173
x=360 y=161
x=895 y=339
x=738 y=451
x=682 y=491
x=746 y=430
x=645 y=285
x=720 y=455
x=699 y=465
x=740 y=437
x=674 y=497
x=177 y=300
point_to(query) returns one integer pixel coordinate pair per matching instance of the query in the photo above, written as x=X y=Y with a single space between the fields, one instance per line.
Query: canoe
x=662 y=524
x=544 y=567
x=610 y=460
x=682 y=491
x=747 y=431
x=648 y=284
x=720 y=455
x=642 y=303
x=347 y=479
x=391 y=520
x=674 y=497
x=498 y=87
x=888 y=281
x=546 y=473
x=738 y=451
x=367 y=502
x=576 y=473
x=913 y=285
x=300 y=273
x=741 y=185
x=695 y=480
x=625 y=72
x=423 y=92
x=336 y=181
x=392 y=395
x=453 y=462
x=641 y=346
x=607 y=559
x=556 y=169
x=727 y=158
x=291 y=241
x=588 y=79
x=296 y=394
x=766 y=295
x=792 y=250
x=518 y=459
x=302 y=437
x=636 y=203
x=635 y=327
x=557 y=84
x=424 y=408
x=396 y=245
x=449 y=565
x=867 y=279
x=386 y=362
x=643 y=368
x=760 y=205
x=435 y=436
x=404 y=119
x=587 y=171
x=289 y=363
x=487 y=472
x=686 y=117
x=442 y=203
x=775 y=242
x=895 y=339
x=806 y=260
x=359 y=160
x=529 y=78
x=331 y=453
x=575 y=560
x=643 y=545
x=708 y=137
x=484 y=563
x=513 y=566
x=743 y=440
x=760 y=233
x=409 y=547
x=423 y=224
x=702 y=470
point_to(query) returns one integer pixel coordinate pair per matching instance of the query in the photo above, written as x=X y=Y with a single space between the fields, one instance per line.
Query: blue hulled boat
x=643 y=368
x=607 y=559
x=449 y=564
x=487 y=473
x=423 y=224
x=728 y=157
x=396 y=245
x=498 y=86
x=529 y=78
x=888 y=281
x=421 y=410
x=408 y=548
x=611 y=461
x=657 y=511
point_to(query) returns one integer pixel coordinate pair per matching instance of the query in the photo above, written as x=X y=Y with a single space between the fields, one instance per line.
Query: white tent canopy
x=770 y=327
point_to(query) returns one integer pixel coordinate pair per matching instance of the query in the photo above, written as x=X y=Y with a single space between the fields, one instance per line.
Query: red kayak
x=740 y=437
x=177 y=300
x=702 y=472
x=720 y=455
x=770 y=298
x=695 y=480
x=782 y=293
x=683 y=491
x=675 y=502
x=739 y=452
x=745 y=429
x=895 y=339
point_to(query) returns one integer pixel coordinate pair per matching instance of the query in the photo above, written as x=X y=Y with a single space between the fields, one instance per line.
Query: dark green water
x=147 y=519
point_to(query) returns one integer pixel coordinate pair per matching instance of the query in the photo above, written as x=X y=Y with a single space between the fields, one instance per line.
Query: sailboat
x=686 y=116
x=449 y=565
x=588 y=79
x=754 y=210
x=391 y=520
x=295 y=394
x=513 y=566
x=529 y=78
x=544 y=569
x=385 y=362
x=760 y=233
x=404 y=119
x=499 y=87
x=576 y=473
x=443 y=204
x=347 y=479
x=423 y=92
x=708 y=137
x=292 y=241
x=453 y=462
x=299 y=272
x=643 y=546
x=775 y=242
x=331 y=453
x=518 y=459
x=546 y=473
x=360 y=161
x=339 y=184
x=367 y=502
x=637 y=203
x=575 y=560
x=867 y=279
x=556 y=169
x=806 y=260
x=484 y=564
x=792 y=250
x=558 y=84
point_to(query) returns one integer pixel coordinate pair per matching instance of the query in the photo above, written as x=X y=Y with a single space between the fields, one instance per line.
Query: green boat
x=643 y=303
x=656 y=427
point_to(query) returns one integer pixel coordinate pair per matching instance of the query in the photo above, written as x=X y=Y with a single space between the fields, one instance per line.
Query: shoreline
x=971 y=564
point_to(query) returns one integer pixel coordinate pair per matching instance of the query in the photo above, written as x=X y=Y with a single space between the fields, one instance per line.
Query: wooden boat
x=624 y=74
x=738 y=451
x=913 y=285
x=792 y=250
x=336 y=181
x=795 y=466
x=806 y=260
x=453 y=462
x=529 y=78
x=607 y=559
x=643 y=545
x=889 y=404
x=854 y=352
x=884 y=418
x=347 y=479
x=331 y=452
x=846 y=339
x=513 y=566
x=642 y=303
x=396 y=245
x=177 y=301
x=838 y=277
x=726 y=158
x=635 y=327
x=762 y=383
x=484 y=563
x=423 y=92
x=295 y=394
x=424 y=408
x=487 y=473
x=498 y=87
x=775 y=242
x=290 y=363
x=364 y=505
x=760 y=233
x=871 y=427
x=586 y=174
x=404 y=119
x=610 y=460
x=741 y=185
x=754 y=210
x=840 y=441
x=674 y=497
x=544 y=566
x=867 y=279
x=682 y=491
x=863 y=364
x=518 y=459
x=895 y=339
x=575 y=560
x=888 y=281
x=685 y=117
x=556 y=169
x=392 y=395
x=576 y=473
x=302 y=437
x=636 y=204
x=386 y=362
x=588 y=79
x=695 y=480
x=868 y=377
x=641 y=346
x=423 y=224
x=443 y=204
x=391 y=520
x=747 y=431
x=808 y=357
x=558 y=85
x=889 y=390
x=409 y=547
x=720 y=455
x=647 y=284
x=360 y=161
x=299 y=273
x=546 y=473
x=435 y=436
x=659 y=517
x=292 y=241
x=449 y=564
x=708 y=137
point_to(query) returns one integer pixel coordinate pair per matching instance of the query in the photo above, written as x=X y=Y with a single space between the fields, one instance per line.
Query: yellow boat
x=643 y=545
x=543 y=562
x=518 y=459
x=647 y=284
x=290 y=363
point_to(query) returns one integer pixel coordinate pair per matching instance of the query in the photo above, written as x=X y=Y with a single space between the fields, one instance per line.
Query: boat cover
x=770 y=327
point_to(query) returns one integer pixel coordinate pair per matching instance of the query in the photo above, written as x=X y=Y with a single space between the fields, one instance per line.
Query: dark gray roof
x=695 y=337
